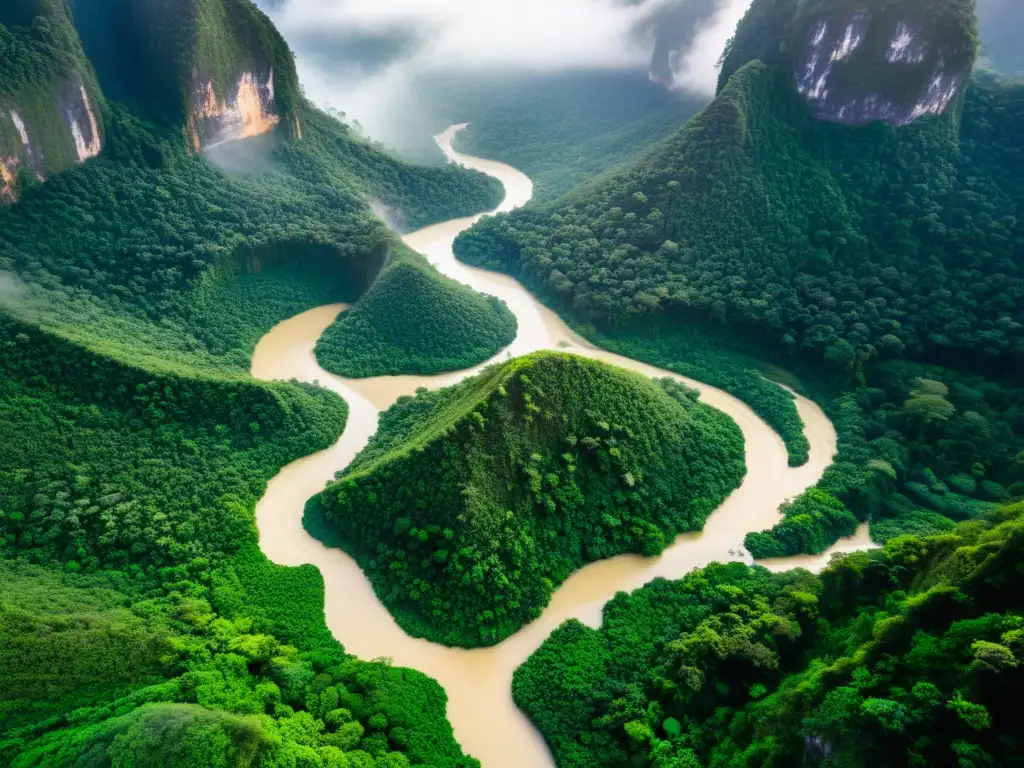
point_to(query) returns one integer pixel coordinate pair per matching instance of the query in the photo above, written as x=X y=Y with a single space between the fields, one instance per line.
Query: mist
x=367 y=58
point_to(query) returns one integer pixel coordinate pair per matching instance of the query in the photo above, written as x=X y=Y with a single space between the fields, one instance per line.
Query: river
x=479 y=682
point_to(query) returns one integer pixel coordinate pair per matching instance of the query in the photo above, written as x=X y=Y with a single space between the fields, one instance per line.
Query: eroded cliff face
x=249 y=109
x=858 y=62
x=47 y=134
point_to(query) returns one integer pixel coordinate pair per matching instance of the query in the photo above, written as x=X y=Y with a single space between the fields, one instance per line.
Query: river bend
x=479 y=682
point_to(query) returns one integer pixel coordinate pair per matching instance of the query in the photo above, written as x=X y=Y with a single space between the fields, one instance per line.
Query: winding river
x=478 y=682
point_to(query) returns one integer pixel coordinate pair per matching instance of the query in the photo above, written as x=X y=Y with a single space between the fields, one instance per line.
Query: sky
x=478 y=36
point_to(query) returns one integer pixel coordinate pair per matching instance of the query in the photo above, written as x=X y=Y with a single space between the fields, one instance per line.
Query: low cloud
x=365 y=57
x=698 y=67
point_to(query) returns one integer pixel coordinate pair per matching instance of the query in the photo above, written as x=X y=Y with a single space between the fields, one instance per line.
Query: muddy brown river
x=479 y=682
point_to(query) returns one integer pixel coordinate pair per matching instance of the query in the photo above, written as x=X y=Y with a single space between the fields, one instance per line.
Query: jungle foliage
x=472 y=504
x=415 y=320
x=139 y=621
x=920 y=447
x=908 y=655
x=839 y=244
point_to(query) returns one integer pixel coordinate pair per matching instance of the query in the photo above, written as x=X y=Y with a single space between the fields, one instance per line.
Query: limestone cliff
x=860 y=61
x=51 y=114
x=217 y=69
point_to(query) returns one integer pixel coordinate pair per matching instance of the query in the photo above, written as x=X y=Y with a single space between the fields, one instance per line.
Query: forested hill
x=769 y=215
x=472 y=504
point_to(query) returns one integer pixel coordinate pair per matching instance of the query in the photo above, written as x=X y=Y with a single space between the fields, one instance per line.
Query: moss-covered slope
x=415 y=320
x=472 y=504
x=51 y=108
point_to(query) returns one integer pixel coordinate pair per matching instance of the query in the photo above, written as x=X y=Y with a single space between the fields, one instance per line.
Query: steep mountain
x=51 y=107
x=220 y=69
x=470 y=505
x=858 y=62
x=837 y=240
x=212 y=203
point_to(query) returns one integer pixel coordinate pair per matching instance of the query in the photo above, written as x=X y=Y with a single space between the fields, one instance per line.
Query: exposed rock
x=249 y=110
x=860 y=66
x=860 y=61
x=85 y=130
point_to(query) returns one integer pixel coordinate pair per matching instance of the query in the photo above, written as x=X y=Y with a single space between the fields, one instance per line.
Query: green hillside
x=415 y=320
x=902 y=656
x=472 y=504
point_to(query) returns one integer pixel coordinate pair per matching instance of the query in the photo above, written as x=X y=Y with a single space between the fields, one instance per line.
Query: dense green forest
x=908 y=655
x=563 y=129
x=413 y=320
x=472 y=504
x=757 y=217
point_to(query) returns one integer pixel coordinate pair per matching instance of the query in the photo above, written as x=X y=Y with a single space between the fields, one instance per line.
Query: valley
x=656 y=404
x=478 y=682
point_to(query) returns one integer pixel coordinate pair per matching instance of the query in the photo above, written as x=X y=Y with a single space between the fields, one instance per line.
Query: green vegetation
x=415 y=320
x=757 y=218
x=694 y=353
x=759 y=232
x=472 y=504
x=563 y=129
x=919 y=446
x=138 y=618
x=45 y=74
x=909 y=655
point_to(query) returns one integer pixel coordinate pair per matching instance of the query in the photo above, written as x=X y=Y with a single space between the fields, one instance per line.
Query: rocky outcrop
x=51 y=115
x=216 y=69
x=861 y=61
x=248 y=110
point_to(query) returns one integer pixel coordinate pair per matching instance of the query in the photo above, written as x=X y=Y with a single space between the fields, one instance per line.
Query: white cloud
x=698 y=67
x=481 y=37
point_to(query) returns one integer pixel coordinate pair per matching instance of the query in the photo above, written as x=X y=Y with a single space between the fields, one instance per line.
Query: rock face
x=218 y=69
x=861 y=61
x=248 y=110
x=858 y=62
x=50 y=108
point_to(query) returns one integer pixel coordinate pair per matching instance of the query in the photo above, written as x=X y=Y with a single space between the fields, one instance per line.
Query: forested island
x=472 y=504
x=851 y=255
